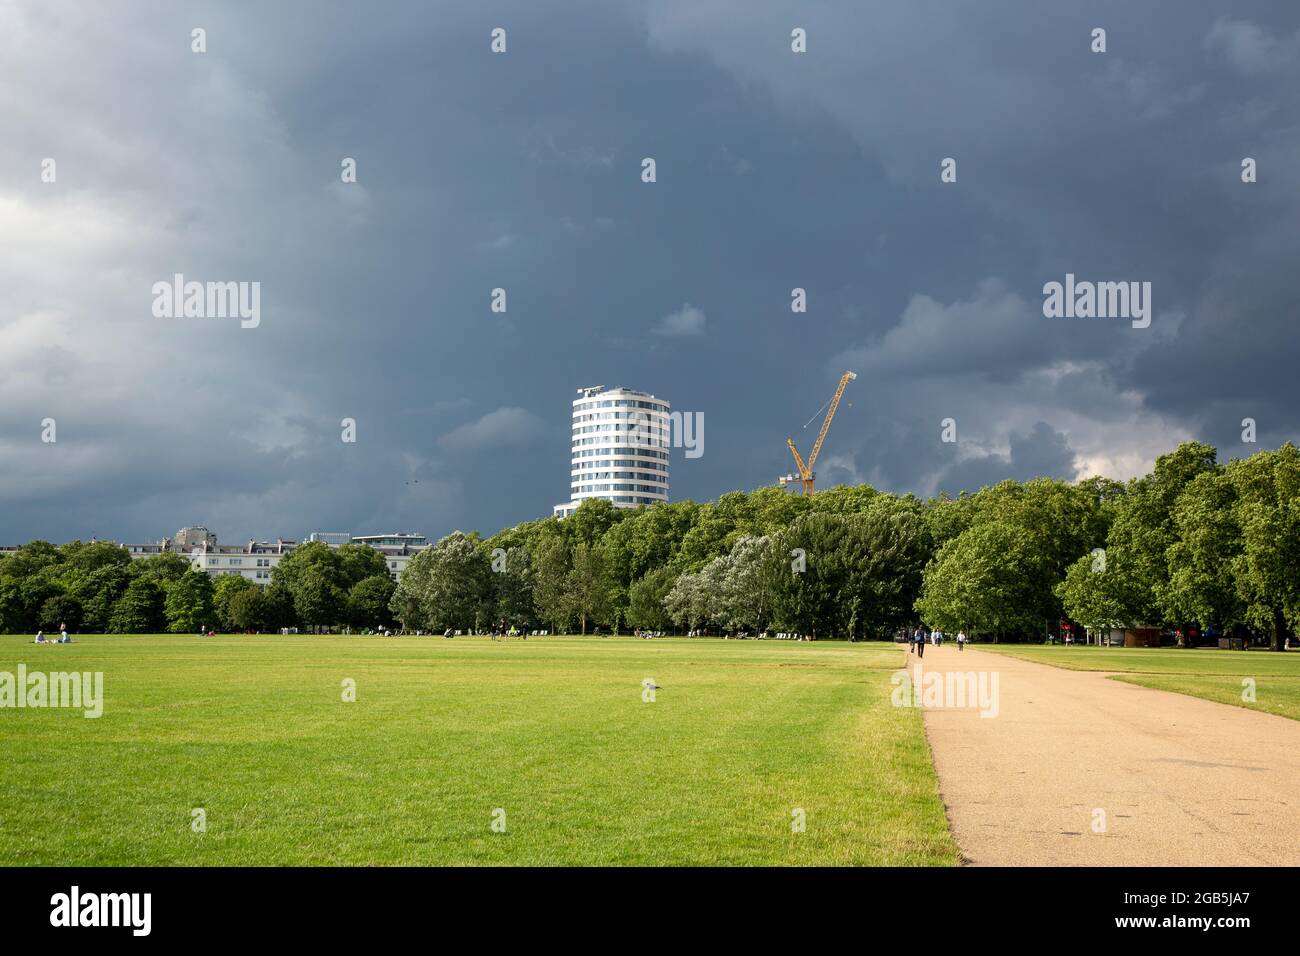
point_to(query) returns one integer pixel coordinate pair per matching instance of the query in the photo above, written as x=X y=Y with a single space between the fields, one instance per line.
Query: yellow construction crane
x=806 y=475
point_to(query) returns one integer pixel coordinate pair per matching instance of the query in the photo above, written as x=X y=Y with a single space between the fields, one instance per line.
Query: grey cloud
x=687 y=321
x=1041 y=452
x=1250 y=48
x=502 y=428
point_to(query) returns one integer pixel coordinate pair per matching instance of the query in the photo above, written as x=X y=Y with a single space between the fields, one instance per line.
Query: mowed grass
x=553 y=731
x=1212 y=674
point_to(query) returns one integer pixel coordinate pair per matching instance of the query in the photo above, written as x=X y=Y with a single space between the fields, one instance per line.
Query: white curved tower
x=620 y=448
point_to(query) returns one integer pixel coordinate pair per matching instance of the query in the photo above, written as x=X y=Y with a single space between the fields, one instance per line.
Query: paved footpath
x=1182 y=781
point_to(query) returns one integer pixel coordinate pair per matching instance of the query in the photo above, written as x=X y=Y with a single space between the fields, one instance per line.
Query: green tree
x=514 y=587
x=589 y=585
x=314 y=554
x=1090 y=594
x=61 y=609
x=226 y=589
x=98 y=593
x=743 y=599
x=188 y=604
x=276 y=609
x=716 y=527
x=11 y=607
x=35 y=590
x=95 y=555
x=1200 y=584
x=646 y=600
x=29 y=559
x=313 y=576
x=986 y=581
x=1266 y=568
x=357 y=562
x=687 y=601
x=645 y=539
x=368 y=601
x=590 y=521
x=848 y=575
x=447 y=585
x=318 y=601
x=551 y=594
x=246 y=609
x=140 y=609
x=1142 y=532
x=163 y=568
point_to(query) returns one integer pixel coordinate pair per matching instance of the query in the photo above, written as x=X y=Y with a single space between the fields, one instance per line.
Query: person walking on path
x=920 y=642
x=962 y=639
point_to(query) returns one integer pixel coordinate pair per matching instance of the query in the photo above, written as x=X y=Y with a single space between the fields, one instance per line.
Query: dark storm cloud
x=521 y=171
x=1041 y=452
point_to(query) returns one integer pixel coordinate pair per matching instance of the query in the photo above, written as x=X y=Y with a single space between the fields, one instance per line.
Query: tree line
x=96 y=587
x=1196 y=542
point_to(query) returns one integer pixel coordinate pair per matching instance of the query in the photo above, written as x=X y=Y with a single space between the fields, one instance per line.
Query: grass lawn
x=1212 y=674
x=554 y=731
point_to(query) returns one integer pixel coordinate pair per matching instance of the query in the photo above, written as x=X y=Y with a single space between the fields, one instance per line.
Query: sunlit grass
x=553 y=731
x=1212 y=674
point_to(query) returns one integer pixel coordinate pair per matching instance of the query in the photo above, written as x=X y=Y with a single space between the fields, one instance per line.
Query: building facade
x=256 y=559
x=619 y=448
x=397 y=547
x=253 y=560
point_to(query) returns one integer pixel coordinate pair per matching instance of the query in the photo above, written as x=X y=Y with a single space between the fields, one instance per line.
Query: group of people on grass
x=62 y=638
x=936 y=637
x=501 y=632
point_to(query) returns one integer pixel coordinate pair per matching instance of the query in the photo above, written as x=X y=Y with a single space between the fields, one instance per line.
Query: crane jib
x=806 y=476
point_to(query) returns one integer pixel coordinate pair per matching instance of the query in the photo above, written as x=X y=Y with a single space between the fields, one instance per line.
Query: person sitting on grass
x=40 y=637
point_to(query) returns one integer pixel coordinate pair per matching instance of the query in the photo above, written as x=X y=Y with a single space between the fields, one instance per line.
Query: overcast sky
x=522 y=171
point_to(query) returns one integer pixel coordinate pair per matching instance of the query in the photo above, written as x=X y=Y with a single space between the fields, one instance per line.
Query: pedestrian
x=961 y=639
x=920 y=642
